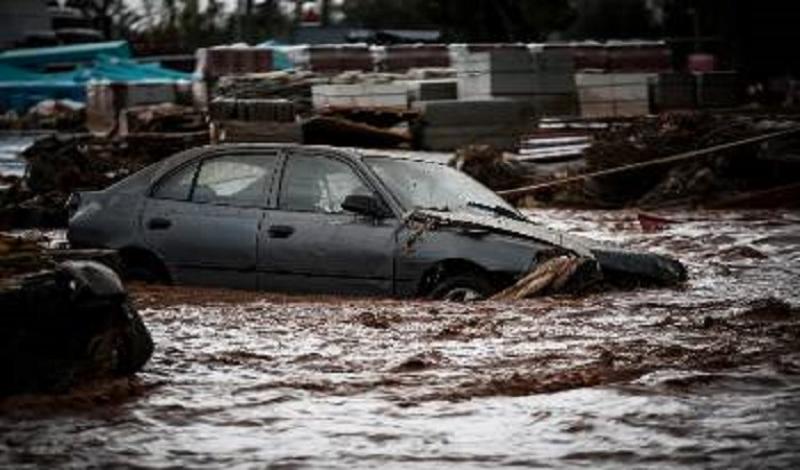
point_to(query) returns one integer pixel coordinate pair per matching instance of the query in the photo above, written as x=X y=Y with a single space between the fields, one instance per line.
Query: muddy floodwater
x=706 y=376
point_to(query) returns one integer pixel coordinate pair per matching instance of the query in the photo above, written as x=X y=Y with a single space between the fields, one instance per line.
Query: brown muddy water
x=707 y=376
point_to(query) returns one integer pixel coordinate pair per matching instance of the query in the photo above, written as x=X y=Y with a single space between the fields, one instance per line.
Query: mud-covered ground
x=704 y=376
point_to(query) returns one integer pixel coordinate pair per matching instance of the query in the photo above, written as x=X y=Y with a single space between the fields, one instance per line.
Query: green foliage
x=183 y=26
x=614 y=19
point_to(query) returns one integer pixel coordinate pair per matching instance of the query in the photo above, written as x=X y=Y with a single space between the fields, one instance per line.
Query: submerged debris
x=63 y=326
x=552 y=275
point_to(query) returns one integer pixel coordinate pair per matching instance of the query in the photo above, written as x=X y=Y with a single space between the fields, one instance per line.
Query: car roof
x=352 y=153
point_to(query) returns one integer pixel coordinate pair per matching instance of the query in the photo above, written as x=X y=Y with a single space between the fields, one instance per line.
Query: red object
x=702 y=63
x=654 y=223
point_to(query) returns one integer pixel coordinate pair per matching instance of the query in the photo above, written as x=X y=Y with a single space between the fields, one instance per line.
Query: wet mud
x=706 y=375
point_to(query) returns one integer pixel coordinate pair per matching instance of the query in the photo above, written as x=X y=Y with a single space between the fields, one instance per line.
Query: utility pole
x=248 y=20
x=298 y=12
x=325 y=13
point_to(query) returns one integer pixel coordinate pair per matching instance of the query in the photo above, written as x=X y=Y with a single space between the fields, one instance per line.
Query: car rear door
x=309 y=244
x=203 y=219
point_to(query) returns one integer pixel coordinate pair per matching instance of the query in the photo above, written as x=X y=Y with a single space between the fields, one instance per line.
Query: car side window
x=176 y=186
x=239 y=180
x=318 y=184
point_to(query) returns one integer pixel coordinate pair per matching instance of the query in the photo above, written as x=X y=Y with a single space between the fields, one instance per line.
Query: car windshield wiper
x=498 y=210
x=434 y=209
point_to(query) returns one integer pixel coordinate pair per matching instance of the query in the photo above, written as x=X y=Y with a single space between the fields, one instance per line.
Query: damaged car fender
x=424 y=260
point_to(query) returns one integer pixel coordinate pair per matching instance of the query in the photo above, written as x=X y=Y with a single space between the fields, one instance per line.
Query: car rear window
x=176 y=186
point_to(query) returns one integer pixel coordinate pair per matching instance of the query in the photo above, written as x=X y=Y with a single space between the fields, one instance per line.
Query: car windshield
x=429 y=185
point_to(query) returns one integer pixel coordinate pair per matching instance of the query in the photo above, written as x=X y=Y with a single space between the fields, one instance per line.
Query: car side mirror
x=365 y=205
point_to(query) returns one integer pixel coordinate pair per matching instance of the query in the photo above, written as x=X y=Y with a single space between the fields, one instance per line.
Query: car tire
x=145 y=270
x=462 y=288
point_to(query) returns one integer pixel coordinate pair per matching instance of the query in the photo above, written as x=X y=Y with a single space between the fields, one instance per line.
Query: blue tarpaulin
x=280 y=59
x=23 y=87
x=39 y=58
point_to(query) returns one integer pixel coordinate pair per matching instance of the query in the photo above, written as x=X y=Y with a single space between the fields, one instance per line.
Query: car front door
x=310 y=244
x=203 y=219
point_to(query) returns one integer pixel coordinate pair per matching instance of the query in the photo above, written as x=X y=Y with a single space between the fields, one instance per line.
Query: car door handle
x=159 y=224
x=280 y=231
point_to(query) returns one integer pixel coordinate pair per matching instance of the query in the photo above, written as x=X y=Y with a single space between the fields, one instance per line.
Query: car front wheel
x=465 y=288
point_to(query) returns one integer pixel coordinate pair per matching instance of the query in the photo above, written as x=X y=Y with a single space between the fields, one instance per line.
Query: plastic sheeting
x=21 y=88
x=39 y=58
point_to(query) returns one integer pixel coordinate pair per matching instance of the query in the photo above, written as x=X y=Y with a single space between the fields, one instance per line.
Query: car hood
x=512 y=227
x=613 y=260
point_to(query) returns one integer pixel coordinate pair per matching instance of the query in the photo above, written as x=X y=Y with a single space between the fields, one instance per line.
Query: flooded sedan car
x=321 y=220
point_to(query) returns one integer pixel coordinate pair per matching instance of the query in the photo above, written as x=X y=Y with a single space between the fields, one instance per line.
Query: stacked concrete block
x=215 y=62
x=585 y=55
x=613 y=94
x=106 y=100
x=364 y=95
x=718 y=89
x=638 y=57
x=340 y=58
x=254 y=120
x=542 y=77
x=432 y=90
x=674 y=90
x=401 y=58
x=261 y=132
x=448 y=125
x=271 y=110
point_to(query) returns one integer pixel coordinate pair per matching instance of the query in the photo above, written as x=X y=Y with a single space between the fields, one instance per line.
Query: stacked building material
x=448 y=125
x=291 y=85
x=161 y=118
x=400 y=58
x=105 y=100
x=254 y=120
x=586 y=55
x=432 y=90
x=613 y=94
x=340 y=58
x=216 y=62
x=639 y=57
x=618 y=56
x=672 y=90
x=275 y=110
x=364 y=95
x=718 y=89
x=542 y=77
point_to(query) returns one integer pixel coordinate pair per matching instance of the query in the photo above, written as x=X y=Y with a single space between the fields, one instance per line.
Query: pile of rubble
x=61 y=115
x=490 y=166
x=61 y=164
x=707 y=179
x=64 y=318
